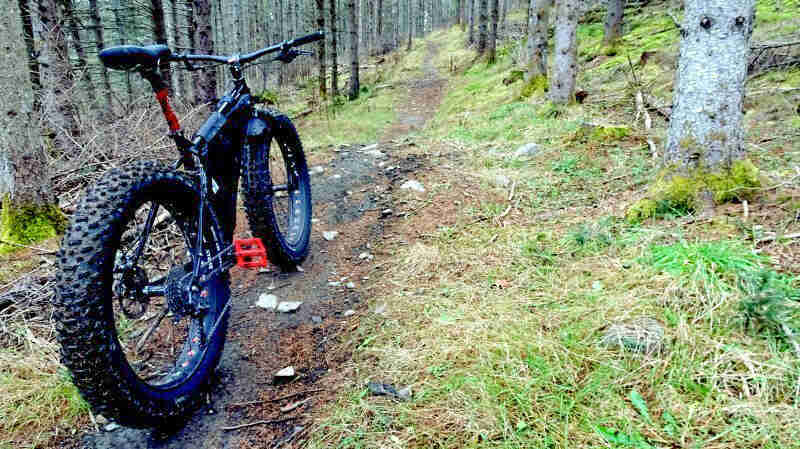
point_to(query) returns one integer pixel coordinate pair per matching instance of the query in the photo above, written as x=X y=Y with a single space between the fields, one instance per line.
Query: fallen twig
x=35 y=248
x=259 y=423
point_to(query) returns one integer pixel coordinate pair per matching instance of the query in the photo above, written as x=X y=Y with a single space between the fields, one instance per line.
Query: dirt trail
x=349 y=197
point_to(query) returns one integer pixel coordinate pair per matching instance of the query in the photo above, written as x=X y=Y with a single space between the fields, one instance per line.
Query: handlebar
x=248 y=57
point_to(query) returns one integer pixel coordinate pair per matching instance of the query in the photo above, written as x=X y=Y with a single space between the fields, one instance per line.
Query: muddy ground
x=351 y=197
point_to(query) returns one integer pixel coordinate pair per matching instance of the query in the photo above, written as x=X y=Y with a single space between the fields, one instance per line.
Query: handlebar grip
x=313 y=37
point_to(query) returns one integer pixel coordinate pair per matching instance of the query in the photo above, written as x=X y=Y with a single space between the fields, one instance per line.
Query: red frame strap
x=169 y=114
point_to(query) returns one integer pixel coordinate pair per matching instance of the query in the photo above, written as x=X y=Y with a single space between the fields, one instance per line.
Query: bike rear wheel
x=277 y=192
x=137 y=351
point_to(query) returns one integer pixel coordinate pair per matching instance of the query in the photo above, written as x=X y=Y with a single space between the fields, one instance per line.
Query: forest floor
x=351 y=197
x=511 y=301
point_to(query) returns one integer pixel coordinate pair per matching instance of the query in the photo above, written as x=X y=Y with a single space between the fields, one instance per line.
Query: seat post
x=162 y=95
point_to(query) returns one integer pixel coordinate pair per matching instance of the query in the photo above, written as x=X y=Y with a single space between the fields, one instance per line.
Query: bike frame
x=213 y=153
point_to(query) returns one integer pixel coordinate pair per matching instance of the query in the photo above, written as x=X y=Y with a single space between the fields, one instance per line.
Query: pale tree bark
x=334 y=51
x=459 y=7
x=123 y=39
x=181 y=88
x=705 y=128
x=97 y=27
x=207 y=80
x=191 y=34
x=354 y=81
x=160 y=35
x=503 y=13
x=60 y=112
x=493 y=32
x=613 y=23
x=30 y=50
x=565 y=63
x=483 y=22
x=77 y=44
x=323 y=91
x=538 y=28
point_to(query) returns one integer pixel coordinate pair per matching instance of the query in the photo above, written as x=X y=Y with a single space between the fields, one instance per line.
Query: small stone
x=300 y=269
x=316 y=319
x=110 y=427
x=413 y=185
x=317 y=170
x=405 y=393
x=334 y=284
x=289 y=306
x=349 y=312
x=390 y=168
x=377 y=154
x=527 y=150
x=643 y=336
x=364 y=255
x=385 y=213
x=501 y=181
x=350 y=285
x=329 y=235
x=380 y=389
x=267 y=301
x=100 y=420
x=336 y=177
x=369 y=147
x=381 y=309
x=285 y=373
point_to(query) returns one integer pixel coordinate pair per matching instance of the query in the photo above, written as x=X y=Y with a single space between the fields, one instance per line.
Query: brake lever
x=288 y=55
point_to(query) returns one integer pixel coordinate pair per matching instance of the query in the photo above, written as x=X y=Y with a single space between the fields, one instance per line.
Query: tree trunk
x=613 y=24
x=192 y=36
x=97 y=26
x=60 y=112
x=323 y=92
x=410 y=25
x=538 y=27
x=503 y=13
x=77 y=44
x=334 y=51
x=123 y=39
x=565 y=65
x=493 y=33
x=207 y=80
x=30 y=50
x=354 y=82
x=705 y=129
x=160 y=35
x=459 y=6
x=180 y=88
x=471 y=38
x=379 y=39
x=483 y=28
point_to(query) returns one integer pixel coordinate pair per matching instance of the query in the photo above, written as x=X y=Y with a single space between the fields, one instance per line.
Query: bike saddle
x=128 y=57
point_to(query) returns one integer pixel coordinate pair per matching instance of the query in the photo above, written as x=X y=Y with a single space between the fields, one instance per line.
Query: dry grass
x=495 y=318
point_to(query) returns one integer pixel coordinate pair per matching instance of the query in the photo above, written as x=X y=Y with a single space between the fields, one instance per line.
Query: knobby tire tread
x=83 y=310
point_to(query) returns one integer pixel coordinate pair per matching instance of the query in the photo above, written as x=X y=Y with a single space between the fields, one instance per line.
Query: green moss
x=738 y=183
x=680 y=193
x=27 y=223
x=600 y=134
x=513 y=77
x=641 y=210
x=535 y=85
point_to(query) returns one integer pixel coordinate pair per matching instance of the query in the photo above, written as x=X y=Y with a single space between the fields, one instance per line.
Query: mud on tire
x=91 y=343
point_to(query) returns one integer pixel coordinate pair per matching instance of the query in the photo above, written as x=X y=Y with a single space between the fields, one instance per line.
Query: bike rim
x=288 y=206
x=161 y=347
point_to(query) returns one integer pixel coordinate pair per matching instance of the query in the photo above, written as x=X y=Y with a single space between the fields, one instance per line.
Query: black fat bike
x=142 y=294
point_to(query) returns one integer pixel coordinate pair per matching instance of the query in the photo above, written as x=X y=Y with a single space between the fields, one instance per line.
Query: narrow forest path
x=350 y=197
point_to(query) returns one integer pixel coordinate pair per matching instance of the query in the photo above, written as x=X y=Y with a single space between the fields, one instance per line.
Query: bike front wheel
x=277 y=191
x=137 y=350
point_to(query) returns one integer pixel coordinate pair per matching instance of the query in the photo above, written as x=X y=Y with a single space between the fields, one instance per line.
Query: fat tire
x=83 y=302
x=258 y=198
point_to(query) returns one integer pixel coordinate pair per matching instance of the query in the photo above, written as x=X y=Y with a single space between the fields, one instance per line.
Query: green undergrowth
x=25 y=224
x=365 y=119
x=495 y=317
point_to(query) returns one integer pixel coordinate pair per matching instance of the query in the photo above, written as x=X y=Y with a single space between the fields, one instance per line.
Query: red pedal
x=250 y=253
